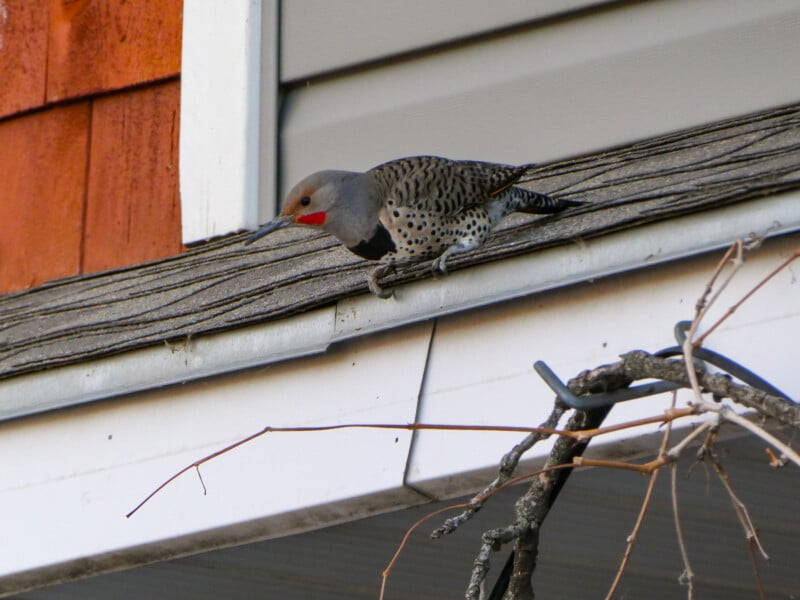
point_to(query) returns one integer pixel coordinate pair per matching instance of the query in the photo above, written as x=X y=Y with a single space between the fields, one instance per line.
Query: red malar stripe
x=317 y=218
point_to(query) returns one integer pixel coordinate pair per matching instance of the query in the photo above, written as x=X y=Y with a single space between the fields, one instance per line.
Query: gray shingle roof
x=223 y=284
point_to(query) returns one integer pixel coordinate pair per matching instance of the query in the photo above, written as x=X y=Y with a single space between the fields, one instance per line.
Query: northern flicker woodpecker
x=411 y=209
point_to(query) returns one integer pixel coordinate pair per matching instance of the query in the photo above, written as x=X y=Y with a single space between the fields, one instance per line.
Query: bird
x=411 y=209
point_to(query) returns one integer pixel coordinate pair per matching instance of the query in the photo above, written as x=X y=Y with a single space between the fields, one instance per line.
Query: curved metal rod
x=588 y=401
x=723 y=362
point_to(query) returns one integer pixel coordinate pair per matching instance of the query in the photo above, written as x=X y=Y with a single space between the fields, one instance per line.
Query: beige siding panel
x=577 y=85
x=104 y=466
x=318 y=36
x=480 y=364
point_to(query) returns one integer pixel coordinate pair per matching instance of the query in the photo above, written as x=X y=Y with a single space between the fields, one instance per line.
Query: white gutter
x=313 y=332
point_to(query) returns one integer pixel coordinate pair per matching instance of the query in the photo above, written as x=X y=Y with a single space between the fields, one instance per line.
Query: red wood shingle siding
x=23 y=55
x=89 y=114
x=101 y=45
x=135 y=162
x=42 y=188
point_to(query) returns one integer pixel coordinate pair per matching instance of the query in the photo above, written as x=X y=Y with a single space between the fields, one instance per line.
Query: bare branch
x=739 y=507
x=703 y=304
x=312 y=428
x=532 y=508
x=642 y=511
x=632 y=536
x=794 y=256
x=701 y=308
x=687 y=577
x=196 y=465
x=638 y=364
x=508 y=465
x=676 y=450
x=387 y=571
x=785 y=449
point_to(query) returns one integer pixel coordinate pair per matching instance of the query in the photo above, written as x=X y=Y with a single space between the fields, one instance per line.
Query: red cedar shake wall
x=89 y=121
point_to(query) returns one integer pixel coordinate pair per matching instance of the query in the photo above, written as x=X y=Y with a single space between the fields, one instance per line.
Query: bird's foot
x=439 y=267
x=375 y=287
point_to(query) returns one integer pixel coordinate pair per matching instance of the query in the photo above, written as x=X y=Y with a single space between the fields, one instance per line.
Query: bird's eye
x=305 y=200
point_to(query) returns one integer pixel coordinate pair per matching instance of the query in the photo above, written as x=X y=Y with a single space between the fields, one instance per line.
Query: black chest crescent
x=377 y=246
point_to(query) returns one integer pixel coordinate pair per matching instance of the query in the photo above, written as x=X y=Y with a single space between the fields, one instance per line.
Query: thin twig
x=195 y=465
x=702 y=306
x=676 y=450
x=724 y=412
x=633 y=534
x=387 y=571
x=651 y=466
x=750 y=531
x=578 y=436
x=687 y=577
x=785 y=450
x=508 y=465
x=488 y=494
x=794 y=256
x=739 y=507
x=642 y=468
x=642 y=511
x=671 y=414
x=317 y=428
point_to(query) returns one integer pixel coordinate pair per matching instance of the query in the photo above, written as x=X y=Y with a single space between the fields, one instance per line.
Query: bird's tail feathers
x=530 y=202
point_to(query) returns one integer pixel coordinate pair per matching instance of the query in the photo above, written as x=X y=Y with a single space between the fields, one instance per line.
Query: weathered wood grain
x=224 y=284
x=23 y=55
x=133 y=206
x=103 y=45
x=43 y=161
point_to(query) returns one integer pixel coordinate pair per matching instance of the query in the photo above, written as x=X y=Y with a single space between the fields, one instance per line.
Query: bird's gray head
x=310 y=202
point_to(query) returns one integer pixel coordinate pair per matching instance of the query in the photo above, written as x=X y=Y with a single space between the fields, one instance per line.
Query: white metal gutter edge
x=552 y=268
x=165 y=364
x=313 y=332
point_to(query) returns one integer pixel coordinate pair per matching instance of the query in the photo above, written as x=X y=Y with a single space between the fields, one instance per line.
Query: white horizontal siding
x=100 y=460
x=582 y=83
x=480 y=364
x=319 y=36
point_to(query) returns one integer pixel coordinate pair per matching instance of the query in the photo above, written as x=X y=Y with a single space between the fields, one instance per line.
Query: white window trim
x=229 y=87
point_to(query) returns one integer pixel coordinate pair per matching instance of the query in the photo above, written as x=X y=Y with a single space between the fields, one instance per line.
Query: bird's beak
x=278 y=222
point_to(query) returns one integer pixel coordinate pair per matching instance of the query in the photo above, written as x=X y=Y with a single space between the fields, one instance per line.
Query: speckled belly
x=425 y=234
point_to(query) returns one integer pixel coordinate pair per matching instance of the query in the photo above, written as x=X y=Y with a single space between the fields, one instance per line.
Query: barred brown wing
x=432 y=183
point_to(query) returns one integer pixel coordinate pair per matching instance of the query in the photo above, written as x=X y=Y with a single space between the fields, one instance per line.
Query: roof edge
x=312 y=332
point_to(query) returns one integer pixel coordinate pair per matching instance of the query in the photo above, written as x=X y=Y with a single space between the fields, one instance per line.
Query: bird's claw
x=375 y=287
x=439 y=267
